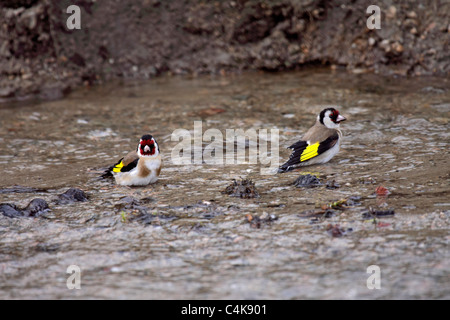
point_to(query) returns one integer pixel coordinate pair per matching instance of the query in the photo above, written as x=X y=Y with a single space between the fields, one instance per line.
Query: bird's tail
x=284 y=168
x=108 y=173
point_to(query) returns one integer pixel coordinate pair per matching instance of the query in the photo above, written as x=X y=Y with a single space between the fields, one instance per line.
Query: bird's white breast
x=133 y=178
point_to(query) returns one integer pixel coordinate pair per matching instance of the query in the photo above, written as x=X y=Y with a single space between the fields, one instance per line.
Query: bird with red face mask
x=138 y=168
x=319 y=144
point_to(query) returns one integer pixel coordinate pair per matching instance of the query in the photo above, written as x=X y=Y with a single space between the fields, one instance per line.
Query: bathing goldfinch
x=319 y=144
x=138 y=168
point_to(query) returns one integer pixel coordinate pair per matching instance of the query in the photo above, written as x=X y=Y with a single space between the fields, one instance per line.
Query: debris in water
x=10 y=210
x=381 y=191
x=307 y=181
x=328 y=210
x=378 y=213
x=336 y=231
x=338 y=205
x=139 y=216
x=245 y=188
x=353 y=201
x=207 y=112
x=382 y=194
x=368 y=180
x=35 y=208
x=72 y=195
x=383 y=224
x=326 y=213
x=332 y=184
x=256 y=222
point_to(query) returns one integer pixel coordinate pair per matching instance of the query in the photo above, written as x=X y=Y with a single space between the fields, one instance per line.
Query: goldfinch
x=138 y=168
x=319 y=144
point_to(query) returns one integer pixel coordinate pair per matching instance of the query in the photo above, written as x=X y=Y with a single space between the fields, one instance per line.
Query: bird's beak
x=340 y=118
x=146 y=149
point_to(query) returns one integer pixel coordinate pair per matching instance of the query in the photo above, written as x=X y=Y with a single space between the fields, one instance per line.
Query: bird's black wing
x=303 y=152
x=120 y=167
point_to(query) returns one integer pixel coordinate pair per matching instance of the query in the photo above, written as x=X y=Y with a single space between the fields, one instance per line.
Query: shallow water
x=197 y=242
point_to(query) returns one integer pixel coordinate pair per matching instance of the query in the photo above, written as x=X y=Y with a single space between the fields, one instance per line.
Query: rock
x=332 y=184
x=10 y=210
x=54 y=91
x=4 y=50
x=257 y=222
x=391 y=12
x=372 y=213
x=244 y=188
x=307 y=181
x=18 y=3
x=335 y=230
x=29 y=17
x=411 y=14
x=397 y=47
x=6 y=92
x=35 y=208
x=385 y=45
x=130 y=203
x=132 y=210
x=72 y=195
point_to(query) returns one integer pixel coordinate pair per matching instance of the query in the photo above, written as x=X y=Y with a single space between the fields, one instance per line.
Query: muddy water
x=196 y=242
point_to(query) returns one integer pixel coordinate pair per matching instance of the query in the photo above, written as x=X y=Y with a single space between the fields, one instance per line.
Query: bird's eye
x=334 y=114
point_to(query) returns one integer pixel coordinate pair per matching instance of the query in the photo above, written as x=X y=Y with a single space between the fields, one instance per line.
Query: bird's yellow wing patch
x=310 y=152
x=118 y=167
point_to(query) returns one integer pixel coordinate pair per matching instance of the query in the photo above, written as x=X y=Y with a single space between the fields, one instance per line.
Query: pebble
x=307 y=181
x=72 y=195
x=34 y=209
x=411 y=15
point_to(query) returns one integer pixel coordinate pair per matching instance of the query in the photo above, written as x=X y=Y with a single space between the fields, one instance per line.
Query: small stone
x=244 y=188
x=307 y=181
x=385 y=45
x=6 y=92
x=35 y=208
x=397 y=47
x=391 y=12
x=72 y=195
x=10 y=210
x=411 y=15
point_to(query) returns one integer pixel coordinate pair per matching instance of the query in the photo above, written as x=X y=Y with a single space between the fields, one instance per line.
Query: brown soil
x=140 y=39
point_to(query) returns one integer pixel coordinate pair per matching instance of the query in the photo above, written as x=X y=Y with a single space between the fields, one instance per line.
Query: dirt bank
x=140 y=39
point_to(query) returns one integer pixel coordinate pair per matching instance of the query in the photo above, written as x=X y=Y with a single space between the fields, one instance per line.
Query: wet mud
x=183 y=238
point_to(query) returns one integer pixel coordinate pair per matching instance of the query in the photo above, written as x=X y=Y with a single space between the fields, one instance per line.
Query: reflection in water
x=184 y=238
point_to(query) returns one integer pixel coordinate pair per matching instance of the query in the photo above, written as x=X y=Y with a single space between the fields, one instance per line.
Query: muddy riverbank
x=384 y=200
x=40 y=57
